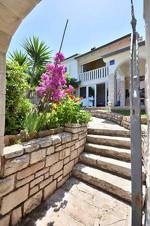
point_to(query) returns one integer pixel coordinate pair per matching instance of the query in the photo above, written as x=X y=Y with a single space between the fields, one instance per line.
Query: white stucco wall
x=72 y=67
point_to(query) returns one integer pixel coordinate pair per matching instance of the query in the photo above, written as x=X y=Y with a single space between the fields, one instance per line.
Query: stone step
x=109 y=151
x=109 y=132
x=109 y=183
x=123 y=142
x=117 y=167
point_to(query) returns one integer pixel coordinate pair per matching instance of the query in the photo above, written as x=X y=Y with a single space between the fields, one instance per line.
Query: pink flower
x=70 y=89
x=59 y=57
x=50 y=67
x=53 y=81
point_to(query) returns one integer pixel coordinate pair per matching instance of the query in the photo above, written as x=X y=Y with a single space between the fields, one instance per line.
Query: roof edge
x=142 y=43
x=74 y=55
x=91 y=51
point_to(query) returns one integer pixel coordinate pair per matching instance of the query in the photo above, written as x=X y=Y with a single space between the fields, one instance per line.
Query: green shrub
x=35 y=121
x=83 y=117
x=17 y=105
x=69 y=111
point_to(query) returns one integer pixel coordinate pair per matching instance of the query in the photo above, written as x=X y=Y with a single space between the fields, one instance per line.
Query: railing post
x=136 y=153
x=147 y=79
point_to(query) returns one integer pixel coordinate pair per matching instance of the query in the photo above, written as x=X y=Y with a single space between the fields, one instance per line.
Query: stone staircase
x=106 y=162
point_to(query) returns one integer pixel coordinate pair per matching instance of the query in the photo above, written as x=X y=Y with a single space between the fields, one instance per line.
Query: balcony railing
x=96 y=74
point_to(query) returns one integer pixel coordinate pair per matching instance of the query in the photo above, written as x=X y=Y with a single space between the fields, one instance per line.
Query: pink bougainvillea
x=53 y=81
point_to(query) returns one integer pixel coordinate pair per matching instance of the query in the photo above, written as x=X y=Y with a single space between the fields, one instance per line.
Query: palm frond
x=19 y=57
x=38 y=52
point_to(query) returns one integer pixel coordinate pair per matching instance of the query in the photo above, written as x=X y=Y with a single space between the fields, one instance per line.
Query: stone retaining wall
x=114 y=117
x=33 y=171
x=117 y=118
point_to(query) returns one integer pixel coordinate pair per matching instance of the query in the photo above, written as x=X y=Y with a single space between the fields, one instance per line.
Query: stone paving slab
x=104 y=124
x=78 y=204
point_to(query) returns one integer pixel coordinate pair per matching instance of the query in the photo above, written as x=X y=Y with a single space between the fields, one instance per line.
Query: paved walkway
x=105 y=124
x=79 y=204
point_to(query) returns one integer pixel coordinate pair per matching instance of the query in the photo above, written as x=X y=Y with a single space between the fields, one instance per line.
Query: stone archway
x=12 y=13
x=122 y=82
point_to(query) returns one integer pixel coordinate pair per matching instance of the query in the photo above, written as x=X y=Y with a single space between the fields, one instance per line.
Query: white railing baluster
x=94 y=74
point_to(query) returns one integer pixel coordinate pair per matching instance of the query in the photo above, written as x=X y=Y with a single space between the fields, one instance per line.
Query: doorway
x=100 y=98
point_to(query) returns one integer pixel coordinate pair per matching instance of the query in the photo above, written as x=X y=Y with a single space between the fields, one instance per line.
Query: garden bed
x=22 y=137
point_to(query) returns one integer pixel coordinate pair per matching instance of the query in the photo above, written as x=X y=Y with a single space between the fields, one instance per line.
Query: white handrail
x=99 y=73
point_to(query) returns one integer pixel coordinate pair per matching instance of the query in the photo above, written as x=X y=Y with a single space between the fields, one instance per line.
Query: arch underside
x=122 y=82
x=12 y=12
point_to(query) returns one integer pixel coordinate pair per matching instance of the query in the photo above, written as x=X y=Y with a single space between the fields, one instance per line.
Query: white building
x=72 y=65
x=104 y=73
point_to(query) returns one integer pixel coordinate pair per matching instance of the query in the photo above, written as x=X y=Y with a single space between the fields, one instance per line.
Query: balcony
x=94 y=75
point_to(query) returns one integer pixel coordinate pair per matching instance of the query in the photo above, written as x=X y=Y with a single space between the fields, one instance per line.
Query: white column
x=95 y=102
x=112 y=84
x=87 y=96
x=122 y=90
x=111 y=89
x=147 y=78
x=2 y=99
x=106 y=87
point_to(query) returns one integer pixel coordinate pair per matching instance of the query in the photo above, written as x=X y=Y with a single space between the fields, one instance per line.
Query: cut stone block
x=64 y=153
x=109 y=151
x=122 y=142
x=36 y=181
x=16 y=216
x=7 y=185
x=49 y=189
x=68 y=167
x=37 y=156
x=46 y=182
x=13 y=199
x=50 y=150
x=24 y=181
x=52 y=159
x=5 y=220
x=41 y=172
x=30 y=170
x=66 y=137
x=56 y=167
x=108 y=182
x=32 y=202
x=122 y=132
x=34 y=190
x=13 y=151
x=117 y=167
x=16 y=164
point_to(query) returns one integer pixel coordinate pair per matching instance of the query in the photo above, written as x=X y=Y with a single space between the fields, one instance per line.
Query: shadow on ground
x=54 y=204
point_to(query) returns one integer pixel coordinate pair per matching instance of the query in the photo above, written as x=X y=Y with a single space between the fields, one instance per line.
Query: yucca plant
x=19 y=57
x=39 y=55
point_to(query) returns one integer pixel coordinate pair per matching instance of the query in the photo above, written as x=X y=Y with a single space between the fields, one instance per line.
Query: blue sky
x=91 y=23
